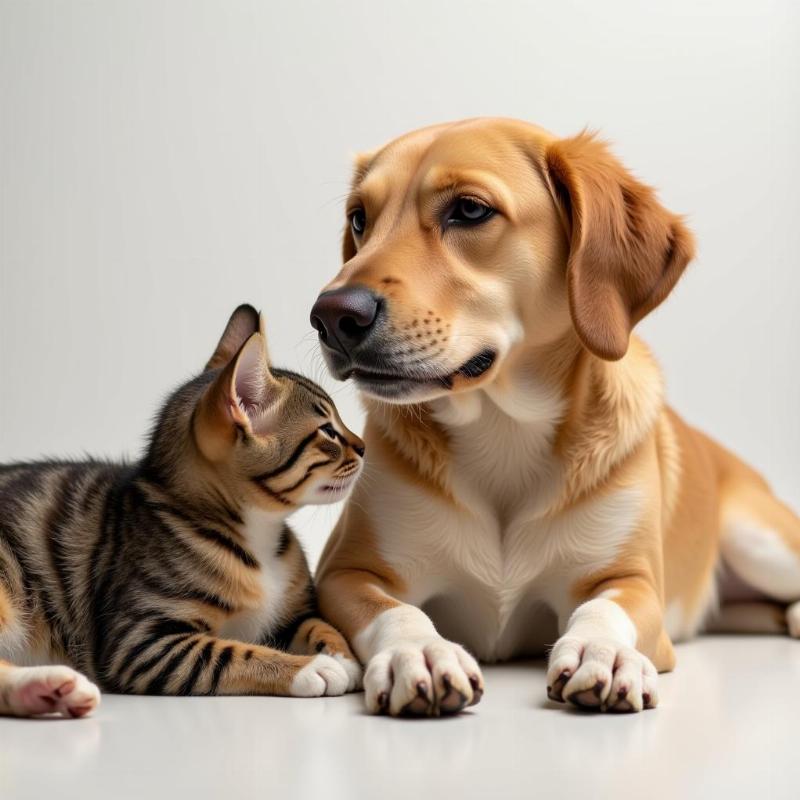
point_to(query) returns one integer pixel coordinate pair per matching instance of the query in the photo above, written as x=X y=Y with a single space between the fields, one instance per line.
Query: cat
x=178 y=574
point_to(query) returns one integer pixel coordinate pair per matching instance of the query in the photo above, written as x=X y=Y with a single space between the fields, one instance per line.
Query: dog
x=525 y=482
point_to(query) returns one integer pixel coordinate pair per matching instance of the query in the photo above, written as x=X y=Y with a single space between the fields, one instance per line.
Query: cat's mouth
x=397 y=385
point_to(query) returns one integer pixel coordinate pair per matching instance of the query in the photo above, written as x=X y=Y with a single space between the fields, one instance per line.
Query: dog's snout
x=344 y=317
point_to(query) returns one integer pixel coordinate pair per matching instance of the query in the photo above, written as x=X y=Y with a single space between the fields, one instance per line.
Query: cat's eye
x=328 y=430
x=358 y=220
x=468 y=211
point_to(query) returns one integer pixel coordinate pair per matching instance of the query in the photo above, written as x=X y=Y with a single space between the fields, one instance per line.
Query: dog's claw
x=420 y=705
x=453 y=700
x=555 y=692
x=477 y=689
x=383 y=701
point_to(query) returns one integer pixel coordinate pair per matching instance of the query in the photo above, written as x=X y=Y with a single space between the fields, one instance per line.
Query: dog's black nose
x=344 y=317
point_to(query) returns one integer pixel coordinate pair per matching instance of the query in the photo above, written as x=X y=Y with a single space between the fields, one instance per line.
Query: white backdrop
x=161 y=162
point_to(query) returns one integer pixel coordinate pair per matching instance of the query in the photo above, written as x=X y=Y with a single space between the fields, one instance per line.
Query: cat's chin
x=333 y=491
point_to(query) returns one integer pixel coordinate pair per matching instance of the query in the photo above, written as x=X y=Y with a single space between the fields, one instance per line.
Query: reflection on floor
x=727 y=727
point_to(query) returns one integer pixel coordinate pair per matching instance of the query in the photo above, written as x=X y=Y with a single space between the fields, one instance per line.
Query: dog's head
x=466 y=240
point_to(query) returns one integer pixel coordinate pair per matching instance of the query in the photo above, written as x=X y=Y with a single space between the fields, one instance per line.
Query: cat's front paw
x=600 y=674
x=355 y=674
x=33 y=691
x=317 y=636
x=321 y=676
x=426 y=678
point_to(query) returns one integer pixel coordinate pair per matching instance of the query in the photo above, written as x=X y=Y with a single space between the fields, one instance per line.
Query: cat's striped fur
x=179 y=575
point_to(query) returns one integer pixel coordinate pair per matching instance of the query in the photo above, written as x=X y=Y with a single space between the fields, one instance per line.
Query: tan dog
x=525 y=483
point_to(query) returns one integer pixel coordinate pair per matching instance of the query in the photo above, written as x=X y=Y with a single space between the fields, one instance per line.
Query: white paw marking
x=762 y=558
x=428 y=677
x=601 y=674
x=354 y=672
x=322 y=676
x=33 y=691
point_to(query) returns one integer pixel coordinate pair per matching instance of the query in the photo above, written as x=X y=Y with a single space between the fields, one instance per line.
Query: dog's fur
x=553 y=497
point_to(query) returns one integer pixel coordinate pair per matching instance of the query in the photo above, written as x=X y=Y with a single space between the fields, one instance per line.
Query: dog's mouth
x=395 y=384
x=478 y=364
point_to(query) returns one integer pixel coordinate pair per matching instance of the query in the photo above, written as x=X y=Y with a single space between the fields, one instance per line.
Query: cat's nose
x=357 y=443
x=344 y=317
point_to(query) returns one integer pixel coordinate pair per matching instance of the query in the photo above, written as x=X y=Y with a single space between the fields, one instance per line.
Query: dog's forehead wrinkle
x=501 y=131
x=402 y=156
x=418 y=159
x=401 y=184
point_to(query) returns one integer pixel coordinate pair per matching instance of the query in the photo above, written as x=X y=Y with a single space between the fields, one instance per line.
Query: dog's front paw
x=422 y=679
x=601 y=674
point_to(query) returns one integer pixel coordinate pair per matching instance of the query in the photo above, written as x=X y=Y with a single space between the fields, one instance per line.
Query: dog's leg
x=604 y=659
x=761 y=545
x=410 y=668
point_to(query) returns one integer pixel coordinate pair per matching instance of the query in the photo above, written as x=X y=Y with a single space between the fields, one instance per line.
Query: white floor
x=727 y=726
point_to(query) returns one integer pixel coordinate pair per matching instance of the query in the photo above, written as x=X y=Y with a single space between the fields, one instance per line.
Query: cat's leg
x=314 y=635
x=179 y=660
x=33 y=691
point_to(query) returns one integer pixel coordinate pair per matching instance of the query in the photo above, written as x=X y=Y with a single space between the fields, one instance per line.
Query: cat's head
x=274 y=437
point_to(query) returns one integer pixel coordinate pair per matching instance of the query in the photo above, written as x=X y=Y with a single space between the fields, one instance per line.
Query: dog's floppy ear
x=626 y=251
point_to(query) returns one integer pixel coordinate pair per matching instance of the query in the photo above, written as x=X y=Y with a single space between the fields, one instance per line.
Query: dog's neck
x=553 y=422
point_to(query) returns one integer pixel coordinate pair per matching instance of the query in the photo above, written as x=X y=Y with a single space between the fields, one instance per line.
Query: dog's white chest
x=494 y=572
x=497 y=577
x=508 y=589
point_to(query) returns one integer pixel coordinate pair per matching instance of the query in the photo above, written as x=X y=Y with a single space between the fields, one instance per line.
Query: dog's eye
x=328 y=430
x=468 y=211
x=358 y=221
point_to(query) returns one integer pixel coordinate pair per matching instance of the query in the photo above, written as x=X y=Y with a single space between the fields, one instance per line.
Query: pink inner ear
x=250 y=377
x=252 y=385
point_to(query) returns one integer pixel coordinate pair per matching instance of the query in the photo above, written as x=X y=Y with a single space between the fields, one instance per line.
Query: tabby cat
x=178 y=575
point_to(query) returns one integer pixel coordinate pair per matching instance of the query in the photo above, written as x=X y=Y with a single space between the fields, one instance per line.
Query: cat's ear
x=244 y=322
x=240 y=399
